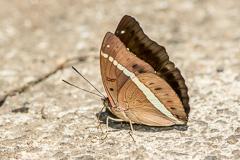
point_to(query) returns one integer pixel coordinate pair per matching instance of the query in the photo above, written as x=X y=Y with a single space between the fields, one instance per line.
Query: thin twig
x=30 y=84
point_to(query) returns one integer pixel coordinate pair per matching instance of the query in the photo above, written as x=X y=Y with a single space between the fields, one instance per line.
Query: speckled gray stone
x=201 y=37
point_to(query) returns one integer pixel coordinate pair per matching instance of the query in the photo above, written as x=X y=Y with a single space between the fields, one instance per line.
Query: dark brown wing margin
x=132 y=35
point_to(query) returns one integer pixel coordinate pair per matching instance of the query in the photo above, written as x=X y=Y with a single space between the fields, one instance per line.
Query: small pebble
x=232 y=139
x=220 y=69
x=29 y=142
x=39 y=140
x=20 y=110
x=94 y=141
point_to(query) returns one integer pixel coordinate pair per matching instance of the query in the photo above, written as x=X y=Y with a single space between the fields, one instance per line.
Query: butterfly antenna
x=82 y=88
x=88 y=81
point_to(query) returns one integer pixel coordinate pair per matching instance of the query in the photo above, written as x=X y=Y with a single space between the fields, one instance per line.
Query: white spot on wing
x=115 y=62
x=120 y=67
x=108 y=46
x=132 y=76
x=110 y=58
x=122 y=32
x=104 y=54
x=127 y=72
x=154 y=101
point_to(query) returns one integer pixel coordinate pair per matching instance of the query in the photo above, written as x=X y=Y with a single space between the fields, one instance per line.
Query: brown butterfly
x=143 y=86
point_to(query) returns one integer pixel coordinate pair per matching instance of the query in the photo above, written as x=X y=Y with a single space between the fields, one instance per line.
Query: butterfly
x=143 y=86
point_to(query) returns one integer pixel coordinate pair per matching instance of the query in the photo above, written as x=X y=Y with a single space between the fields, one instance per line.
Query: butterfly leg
x=130 y=122
x=99 y=120
x=114 y=119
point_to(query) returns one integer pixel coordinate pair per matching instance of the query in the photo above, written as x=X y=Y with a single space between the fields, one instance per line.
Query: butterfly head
x=106 y=103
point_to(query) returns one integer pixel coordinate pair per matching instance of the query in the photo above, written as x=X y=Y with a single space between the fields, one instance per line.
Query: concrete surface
x=202 y=38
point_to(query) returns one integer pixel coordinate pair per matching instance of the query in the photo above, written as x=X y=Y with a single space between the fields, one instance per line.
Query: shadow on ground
x=142 y=128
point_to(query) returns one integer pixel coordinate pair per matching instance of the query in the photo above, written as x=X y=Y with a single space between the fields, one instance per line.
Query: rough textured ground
x=202 y=38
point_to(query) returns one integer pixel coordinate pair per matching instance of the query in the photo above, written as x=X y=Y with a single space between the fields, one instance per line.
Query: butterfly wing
x=127 y=78
x=117 y=65
x=133 y=37
x=150 y=100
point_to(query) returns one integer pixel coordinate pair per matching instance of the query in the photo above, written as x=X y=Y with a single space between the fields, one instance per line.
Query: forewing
x=118 y=65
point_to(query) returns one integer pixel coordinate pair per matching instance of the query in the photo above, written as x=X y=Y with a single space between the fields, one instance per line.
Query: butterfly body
x=136 y=74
